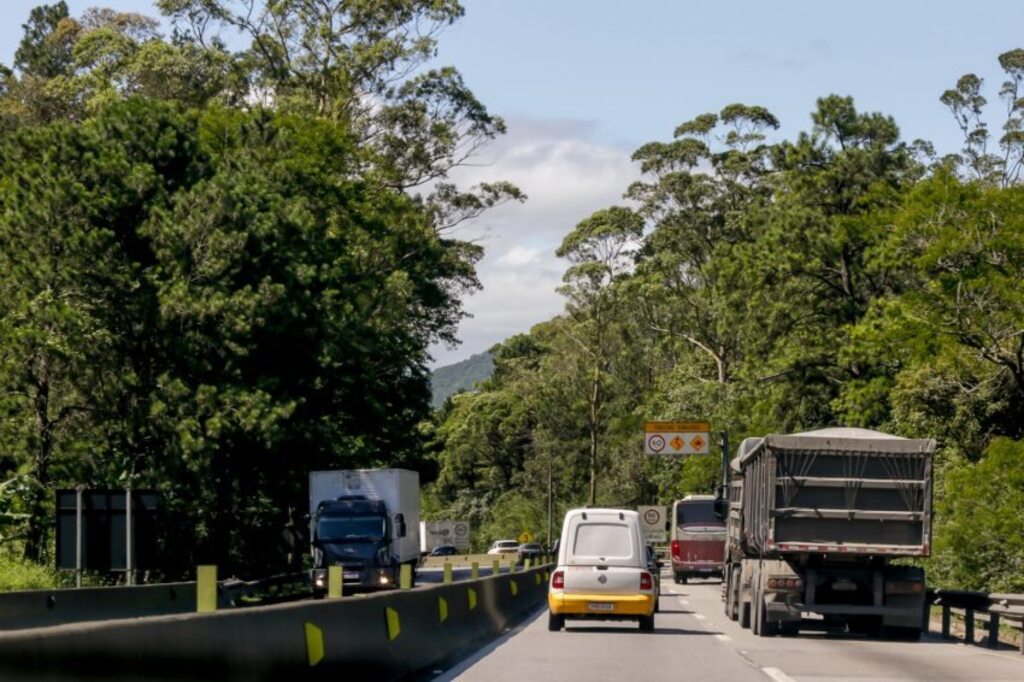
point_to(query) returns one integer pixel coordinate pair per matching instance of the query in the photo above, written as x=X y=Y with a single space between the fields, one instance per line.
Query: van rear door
x=602 y=556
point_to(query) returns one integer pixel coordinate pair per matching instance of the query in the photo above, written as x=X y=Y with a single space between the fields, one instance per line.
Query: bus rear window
x=702 y=511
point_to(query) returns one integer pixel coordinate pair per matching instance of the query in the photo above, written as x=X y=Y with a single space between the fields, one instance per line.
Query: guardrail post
x=945 y=621
x=993 y=630
x=335 y=584
x=405 y=577
x=447 y=572
x=969 y=626
x=206 y=589
x=474 y=570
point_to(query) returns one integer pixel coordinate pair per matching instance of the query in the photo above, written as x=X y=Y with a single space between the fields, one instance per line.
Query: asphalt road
x=694 y=640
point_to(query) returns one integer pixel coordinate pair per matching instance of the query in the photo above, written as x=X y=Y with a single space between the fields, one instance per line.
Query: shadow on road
x=657 y=631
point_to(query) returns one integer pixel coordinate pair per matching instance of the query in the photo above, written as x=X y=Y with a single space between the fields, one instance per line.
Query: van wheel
x=647 y=623
x=555 y=622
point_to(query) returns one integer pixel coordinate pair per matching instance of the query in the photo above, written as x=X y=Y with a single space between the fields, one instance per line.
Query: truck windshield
x=702 y=511
x=334 y=528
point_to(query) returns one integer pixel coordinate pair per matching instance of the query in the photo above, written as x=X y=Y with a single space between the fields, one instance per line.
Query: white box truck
x=365 y=520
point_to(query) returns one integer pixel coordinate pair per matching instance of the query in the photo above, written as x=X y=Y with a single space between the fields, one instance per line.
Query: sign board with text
x=677 y=438
x=653 y=519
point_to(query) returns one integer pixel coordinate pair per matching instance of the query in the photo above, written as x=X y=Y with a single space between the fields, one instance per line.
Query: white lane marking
x=724 y=638
x=777 y=675
x=684 y=602
x=699 y=616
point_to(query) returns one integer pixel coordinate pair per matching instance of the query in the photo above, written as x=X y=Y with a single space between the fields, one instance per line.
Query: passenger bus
x=698 y=539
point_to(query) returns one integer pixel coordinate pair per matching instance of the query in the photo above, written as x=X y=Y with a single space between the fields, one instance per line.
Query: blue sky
x=583 y=83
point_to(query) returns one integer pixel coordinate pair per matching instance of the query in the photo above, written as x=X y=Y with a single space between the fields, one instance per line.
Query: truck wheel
x=765 y=627
x=647 y=623
x=734 y=591
x=745 y=607
x=555 y=622
x=901 y=634
x=789 y=628
x=682 y=580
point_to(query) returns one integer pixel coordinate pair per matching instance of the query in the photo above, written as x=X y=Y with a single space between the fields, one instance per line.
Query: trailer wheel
x=901 y=634
x=789 y=628
x=764 y=627
x=734 y=592
x=745 y=607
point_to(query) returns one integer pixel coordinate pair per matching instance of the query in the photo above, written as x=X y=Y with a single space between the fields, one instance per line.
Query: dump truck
x=814 y=523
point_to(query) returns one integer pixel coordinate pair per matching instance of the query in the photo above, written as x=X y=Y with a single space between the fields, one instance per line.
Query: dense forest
x=222 y=268
x=844 y=277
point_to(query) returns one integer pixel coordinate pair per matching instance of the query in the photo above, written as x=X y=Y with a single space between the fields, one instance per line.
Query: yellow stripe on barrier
x=495 y=567
x=394 y=624
x=334 y=582
x=442 y=609
x=314 y=644
x=474 y=572
x=514 y=587
x=472 y=599
x=447 y=573
x=537 y=576
x=206 y=589
x=405 y=577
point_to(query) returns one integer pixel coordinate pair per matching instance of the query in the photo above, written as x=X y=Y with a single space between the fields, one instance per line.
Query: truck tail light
x=904 y=587
x=646 y=581
x=784 y=583
x=675 y=550
x=558 y=580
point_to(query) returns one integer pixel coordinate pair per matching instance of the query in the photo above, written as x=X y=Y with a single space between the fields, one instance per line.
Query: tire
x=789 y=628
x=647 y=623
x=901 y=634
x=745 y=608
x=555 y=622
x=657 y=603
x=734 y=592
x=682 y=579
x=765 y=627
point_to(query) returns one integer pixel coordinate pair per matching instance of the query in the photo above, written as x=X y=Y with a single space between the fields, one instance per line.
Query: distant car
x=444 y=550
x=504 y=547
x=530 y=550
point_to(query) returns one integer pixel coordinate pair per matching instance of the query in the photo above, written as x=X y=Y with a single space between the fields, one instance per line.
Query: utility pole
x=725 y=459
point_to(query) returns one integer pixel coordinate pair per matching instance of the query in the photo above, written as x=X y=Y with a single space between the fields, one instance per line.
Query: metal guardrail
x=995 y=607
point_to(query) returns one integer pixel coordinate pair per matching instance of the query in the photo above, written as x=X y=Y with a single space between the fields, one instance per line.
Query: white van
x=602 y=571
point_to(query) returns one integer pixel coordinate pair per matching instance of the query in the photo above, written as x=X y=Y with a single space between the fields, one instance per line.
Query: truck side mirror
x=721 y=508
x=400 y=524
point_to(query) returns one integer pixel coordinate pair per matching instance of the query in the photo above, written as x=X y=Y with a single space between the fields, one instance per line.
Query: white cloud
x=567 y=175
x=520 y=255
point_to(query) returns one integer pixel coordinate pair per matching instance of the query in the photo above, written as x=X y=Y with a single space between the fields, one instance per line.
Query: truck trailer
x=815 y=522
x=365 y=520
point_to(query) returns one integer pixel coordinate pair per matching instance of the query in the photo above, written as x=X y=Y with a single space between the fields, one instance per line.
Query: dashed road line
x=724 y=638
x=700 y=616
x=777 y=675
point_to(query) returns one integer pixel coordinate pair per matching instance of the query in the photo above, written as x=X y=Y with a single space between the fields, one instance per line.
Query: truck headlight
x=384 y=580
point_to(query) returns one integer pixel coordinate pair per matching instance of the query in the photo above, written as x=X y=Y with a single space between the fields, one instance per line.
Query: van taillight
x=558 y=580
x=646 y=581
x=675 y=550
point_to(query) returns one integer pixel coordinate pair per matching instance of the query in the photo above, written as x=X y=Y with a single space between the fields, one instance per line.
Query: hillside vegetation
x=458 y=377
x=843 y=277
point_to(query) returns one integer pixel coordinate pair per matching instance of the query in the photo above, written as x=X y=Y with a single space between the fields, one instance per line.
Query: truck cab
x=355 y=533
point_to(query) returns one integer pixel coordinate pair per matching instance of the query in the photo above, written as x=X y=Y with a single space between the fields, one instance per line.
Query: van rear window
x=608 y=540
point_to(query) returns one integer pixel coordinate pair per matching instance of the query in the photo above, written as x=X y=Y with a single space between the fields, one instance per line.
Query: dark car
x=531 y=551
x=444 y=550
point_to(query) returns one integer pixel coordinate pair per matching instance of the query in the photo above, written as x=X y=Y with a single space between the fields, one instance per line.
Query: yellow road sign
x=525 y=536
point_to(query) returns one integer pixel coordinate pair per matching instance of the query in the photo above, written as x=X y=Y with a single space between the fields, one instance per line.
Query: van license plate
x=351 y=576
x=600 y=606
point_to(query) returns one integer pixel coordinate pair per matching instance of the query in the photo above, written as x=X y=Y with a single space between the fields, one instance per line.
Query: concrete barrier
x=44 y=608
x=467 y=560
x=383 y=636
